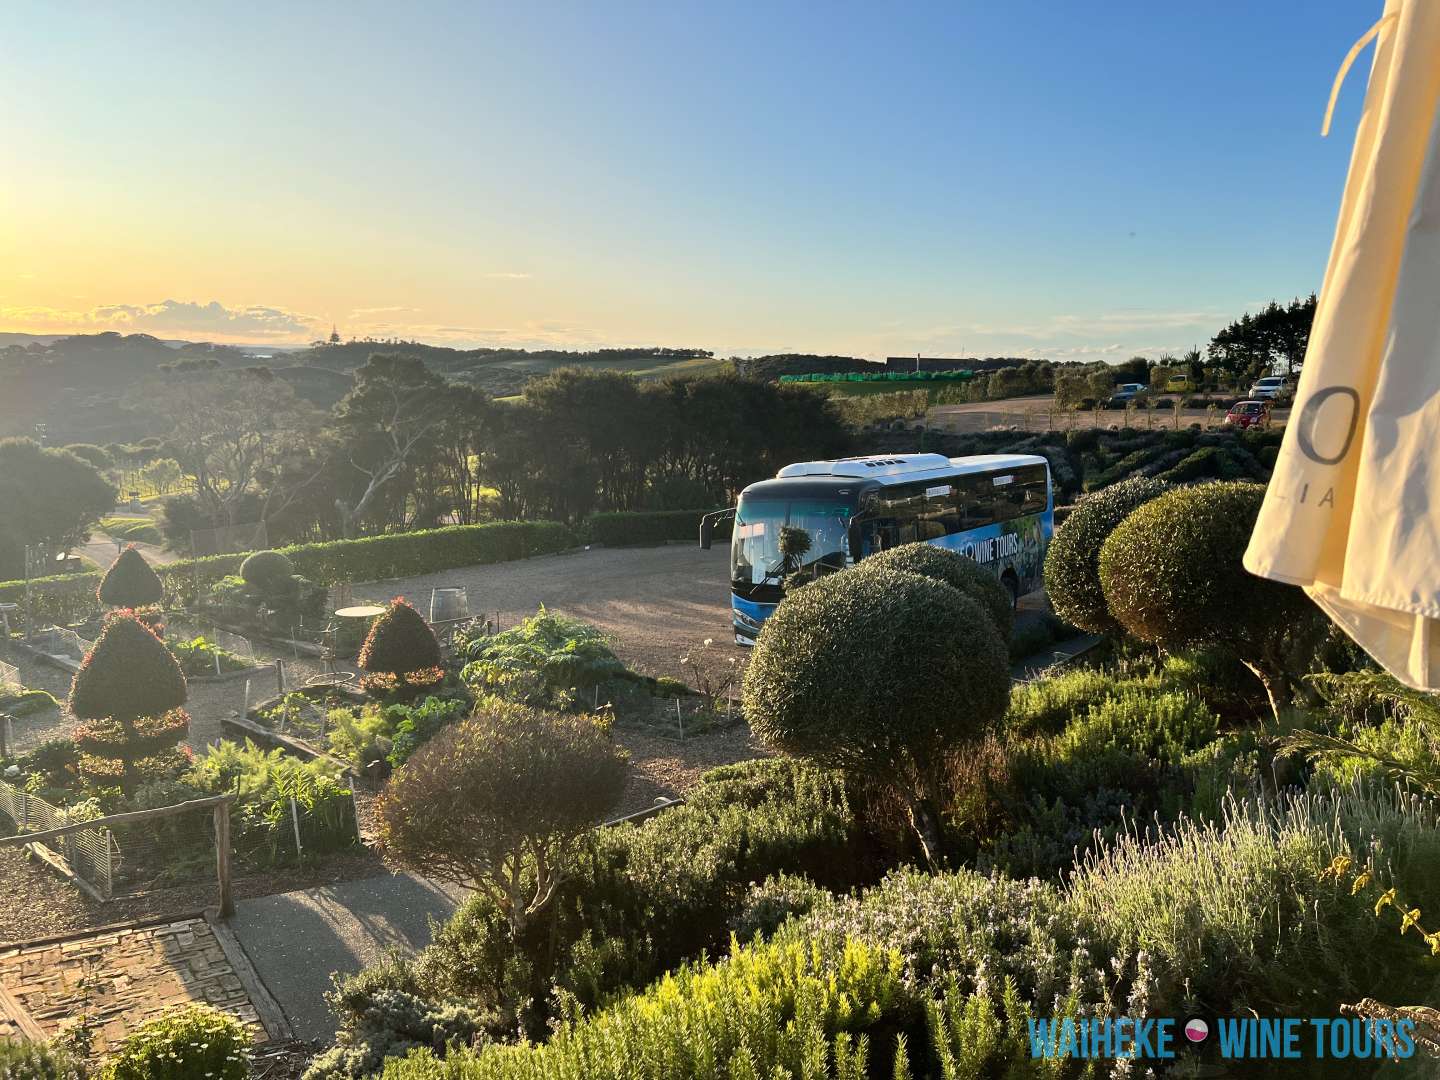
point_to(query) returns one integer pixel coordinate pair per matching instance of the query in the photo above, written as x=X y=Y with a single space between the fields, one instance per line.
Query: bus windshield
x=755 y=556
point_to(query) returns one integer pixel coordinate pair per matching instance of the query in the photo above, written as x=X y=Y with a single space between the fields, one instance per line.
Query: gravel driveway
x=656 y=603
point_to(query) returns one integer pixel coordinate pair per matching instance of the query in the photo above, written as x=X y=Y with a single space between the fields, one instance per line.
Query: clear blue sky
x=1061 y=179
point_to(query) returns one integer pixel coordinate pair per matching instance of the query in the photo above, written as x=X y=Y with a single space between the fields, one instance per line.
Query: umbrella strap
x=1355 y=51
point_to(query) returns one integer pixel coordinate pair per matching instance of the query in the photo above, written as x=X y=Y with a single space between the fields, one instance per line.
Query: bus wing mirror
x=708 y=523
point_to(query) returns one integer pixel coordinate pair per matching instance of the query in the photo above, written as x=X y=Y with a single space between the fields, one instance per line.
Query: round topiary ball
x=1072 y=565
x=268 y=571
x=955 y=570
x=130 y=582
x=876 y=672
x=127 y=675
x=1172 y=573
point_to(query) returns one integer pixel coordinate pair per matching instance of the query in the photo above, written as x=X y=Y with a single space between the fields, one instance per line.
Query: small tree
x=131 y=582
x=130 y=691
x=883 y=674
x=1072 y=565
x=500 y=803
x=401 y=654
x=1172 y=574
x=955 y=570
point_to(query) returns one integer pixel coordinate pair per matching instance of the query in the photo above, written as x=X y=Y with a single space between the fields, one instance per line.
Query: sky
x=1059 y=179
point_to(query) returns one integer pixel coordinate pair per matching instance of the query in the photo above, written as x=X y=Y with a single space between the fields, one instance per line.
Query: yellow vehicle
x=1179 y=384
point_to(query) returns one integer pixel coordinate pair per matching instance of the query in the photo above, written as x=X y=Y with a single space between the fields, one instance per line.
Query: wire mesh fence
x=10 y=679
x=86 y=853
x=180 y=848
x=61 y=641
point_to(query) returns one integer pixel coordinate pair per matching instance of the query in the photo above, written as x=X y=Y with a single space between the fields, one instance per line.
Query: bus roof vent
x=872 y=465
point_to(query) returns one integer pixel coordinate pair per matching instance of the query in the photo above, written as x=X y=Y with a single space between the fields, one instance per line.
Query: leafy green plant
x=21 y=1060
x=265 y=782
x=190 y=1042
x=548 y=660
x=198 y=657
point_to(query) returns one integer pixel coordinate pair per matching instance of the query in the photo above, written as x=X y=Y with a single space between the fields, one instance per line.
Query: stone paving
x=122 y=978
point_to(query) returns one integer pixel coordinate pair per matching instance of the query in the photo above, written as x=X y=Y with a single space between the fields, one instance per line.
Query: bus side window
x=976 y=499
x=1036 y=496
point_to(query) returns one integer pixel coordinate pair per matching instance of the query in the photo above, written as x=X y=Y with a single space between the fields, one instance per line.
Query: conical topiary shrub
x=130 y=691
x=401 y=655
x=130 y=582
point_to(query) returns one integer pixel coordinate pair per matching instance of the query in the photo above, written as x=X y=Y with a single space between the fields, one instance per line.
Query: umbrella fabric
x=1352 y=512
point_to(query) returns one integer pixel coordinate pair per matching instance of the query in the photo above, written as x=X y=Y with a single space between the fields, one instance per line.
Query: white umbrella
x=1352 y=513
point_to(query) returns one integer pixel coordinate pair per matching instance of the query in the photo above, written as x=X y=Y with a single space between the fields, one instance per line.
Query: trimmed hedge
x=651 y=527
x=67 y=597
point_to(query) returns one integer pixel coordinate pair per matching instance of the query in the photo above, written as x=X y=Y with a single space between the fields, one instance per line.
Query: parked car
x=1125 y=393
x=1179 y=384
x=1248 y=414
x=1270 y=388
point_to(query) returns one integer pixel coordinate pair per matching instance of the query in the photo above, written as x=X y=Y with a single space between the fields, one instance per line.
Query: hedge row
x=651 y=527
x=62 y=599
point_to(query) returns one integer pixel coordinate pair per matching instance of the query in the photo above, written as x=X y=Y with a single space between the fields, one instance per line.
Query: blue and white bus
x=996 y=509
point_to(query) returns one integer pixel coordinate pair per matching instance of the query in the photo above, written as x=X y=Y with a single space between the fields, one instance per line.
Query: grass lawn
x=142 y=529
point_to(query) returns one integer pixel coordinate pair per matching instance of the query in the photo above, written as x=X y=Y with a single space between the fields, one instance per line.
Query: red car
x=1248 y=414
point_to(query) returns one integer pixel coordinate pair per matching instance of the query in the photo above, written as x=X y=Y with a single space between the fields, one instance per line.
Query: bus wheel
x=1012 y=583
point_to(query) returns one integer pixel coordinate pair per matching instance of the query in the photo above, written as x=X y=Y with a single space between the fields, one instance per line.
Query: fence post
x=222 y=858
x=295 y=820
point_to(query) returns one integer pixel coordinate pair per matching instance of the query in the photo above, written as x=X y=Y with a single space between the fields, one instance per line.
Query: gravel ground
x=657 y=603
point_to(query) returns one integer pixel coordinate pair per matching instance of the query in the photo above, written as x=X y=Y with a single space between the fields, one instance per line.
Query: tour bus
x=994 y=508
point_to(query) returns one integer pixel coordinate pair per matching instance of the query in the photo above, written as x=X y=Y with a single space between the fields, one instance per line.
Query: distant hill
x=504 y=372
x=73 y=384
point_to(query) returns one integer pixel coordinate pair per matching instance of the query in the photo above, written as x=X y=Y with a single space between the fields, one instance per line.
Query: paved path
x=295 y=940
x=119 y=978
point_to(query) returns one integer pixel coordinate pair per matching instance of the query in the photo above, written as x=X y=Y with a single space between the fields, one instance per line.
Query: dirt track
x=1034 y=414
x=655 y=602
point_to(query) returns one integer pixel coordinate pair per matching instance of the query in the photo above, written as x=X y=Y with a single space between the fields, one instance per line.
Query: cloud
x=360 y=312
x=509 y=275
x=173 y=318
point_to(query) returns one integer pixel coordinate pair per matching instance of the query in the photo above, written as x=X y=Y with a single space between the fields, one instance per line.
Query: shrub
x=765 y=1010
x=130 y=582
x=401 y=652
x=29 y=703
x=502 y=797
x=958 y=572
x=1162 y=727
x=1046 y=705
x=880 y=673
x=1237 y=916
x=542 y=661
x=649 y=896
x=769 y=904
x=190 y=1042
x=1072 y=564
x=650 y=527
x=268 y=571
x=382 y=1016
x=131 y=691
x=1172 y=574
x=21 y=1060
